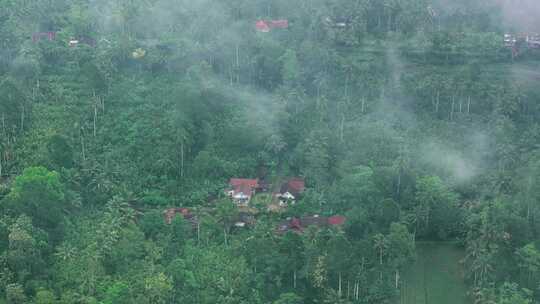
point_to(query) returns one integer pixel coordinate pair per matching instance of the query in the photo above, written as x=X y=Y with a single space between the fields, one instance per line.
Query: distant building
x=265 y=26
x=262 y=26
x=170 y=213
x=432 y=12
x=509 y=40
x=518 y=43
x=245 y=219
x=241 y=190
x=282 y=23
x=533 y=41
x=527 y=40
x=138 y=53
x=339 y=22
x=36 y=37
x=264 y=185
x=73 y=42
x=298 y=225
x=290 y=191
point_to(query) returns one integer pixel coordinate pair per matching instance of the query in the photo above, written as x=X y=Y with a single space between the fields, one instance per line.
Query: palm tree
x=226 y=213
x=411 y=221
x=482 y=266
x=474 y=250
x=380 y=244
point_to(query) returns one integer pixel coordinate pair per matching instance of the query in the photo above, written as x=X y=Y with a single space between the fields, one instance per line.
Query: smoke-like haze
x=460 y=164
x=521 y=15
x=515 y=15
x=210 y=29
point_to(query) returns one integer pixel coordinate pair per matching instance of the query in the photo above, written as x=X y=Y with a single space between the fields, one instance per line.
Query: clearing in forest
x=436 y=277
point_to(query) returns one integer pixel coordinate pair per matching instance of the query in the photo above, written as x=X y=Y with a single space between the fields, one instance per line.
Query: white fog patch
x=452 y=162
x=460 y=164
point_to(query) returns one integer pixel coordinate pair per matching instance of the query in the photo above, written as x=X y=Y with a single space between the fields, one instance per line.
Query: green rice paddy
x=436 y=277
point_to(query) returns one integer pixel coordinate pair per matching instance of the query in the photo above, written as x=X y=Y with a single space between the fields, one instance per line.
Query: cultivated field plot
x=436 y=277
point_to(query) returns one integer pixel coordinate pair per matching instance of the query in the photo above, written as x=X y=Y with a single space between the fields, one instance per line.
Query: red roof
x=242 y=185
x=297 y=184
x=237 y=182
x=48 y=35
x=295 y=224
x=299 y=224
x=169 y=214
x=336 y=220
x=279 y=23
x=262 y=26
x=265 y=26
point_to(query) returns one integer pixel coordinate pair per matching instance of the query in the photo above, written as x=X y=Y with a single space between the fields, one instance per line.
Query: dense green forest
x=407 y=120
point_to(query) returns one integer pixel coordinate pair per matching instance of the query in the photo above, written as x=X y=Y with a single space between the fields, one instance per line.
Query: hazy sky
x=523 y=15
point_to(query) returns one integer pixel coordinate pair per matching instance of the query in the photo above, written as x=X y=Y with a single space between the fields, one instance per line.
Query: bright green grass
x=436 y=277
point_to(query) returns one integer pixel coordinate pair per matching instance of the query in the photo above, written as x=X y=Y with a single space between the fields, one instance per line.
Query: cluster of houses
x=529 y=40
x=170 y=214
x=337 y=22
x=266 y=26
x=244 y=219
x=241 y=192
x=73 y=42
x=298 y=225
x=36 y=37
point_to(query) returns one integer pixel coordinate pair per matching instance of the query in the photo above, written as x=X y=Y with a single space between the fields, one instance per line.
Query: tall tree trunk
x=237 y=64
x=437 y=101
x=346 y=85
x=198 y=232
x=357 y=291
x=380 y=262
x=398 y=182
x=82 y=145
x=452 y=109
x=529 y=198
x=182 y=159
x=22 y=117
x=339 y=285
x=342 y=127
x=427 y=217
x=95 y=117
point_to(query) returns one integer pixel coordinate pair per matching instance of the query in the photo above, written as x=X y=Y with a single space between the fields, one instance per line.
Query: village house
x=170 y=213
x=339 y=22
x=241 y=190
x=290 y=191
x=533 y=41
x=73 y=42
x=36 y=37
x=528 y=40
x=266 y=26
x=244 y=219
x=298 y=225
